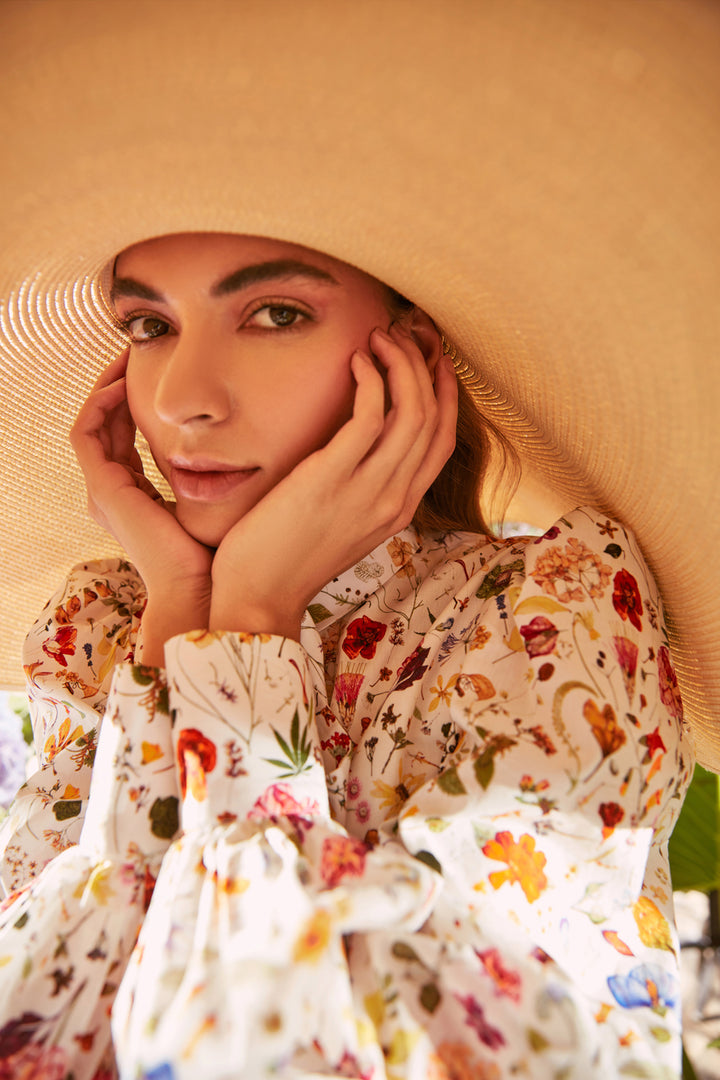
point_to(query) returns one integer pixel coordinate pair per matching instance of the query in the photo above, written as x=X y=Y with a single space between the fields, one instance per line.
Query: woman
x=383 y=796
x=464 y=766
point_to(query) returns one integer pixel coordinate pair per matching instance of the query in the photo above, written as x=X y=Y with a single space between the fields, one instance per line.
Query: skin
x=298 y=391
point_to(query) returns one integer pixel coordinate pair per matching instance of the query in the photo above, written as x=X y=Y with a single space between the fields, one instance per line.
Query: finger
x=404 y=472
x=357 y=437
x=412 y=417
x=115 y=369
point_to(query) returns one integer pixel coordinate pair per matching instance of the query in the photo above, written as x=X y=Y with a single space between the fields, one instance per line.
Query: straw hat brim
x=541 y=177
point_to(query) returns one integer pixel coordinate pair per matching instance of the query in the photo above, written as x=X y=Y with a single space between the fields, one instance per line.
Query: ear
x=426 y=335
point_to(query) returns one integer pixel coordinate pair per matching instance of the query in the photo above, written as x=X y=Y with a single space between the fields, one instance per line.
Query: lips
x=207 y=481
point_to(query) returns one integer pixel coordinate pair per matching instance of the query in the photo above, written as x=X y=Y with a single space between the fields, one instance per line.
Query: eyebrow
x=277 y=269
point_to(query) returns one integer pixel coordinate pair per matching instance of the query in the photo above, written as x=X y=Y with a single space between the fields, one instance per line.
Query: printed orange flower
x=362 y=636
x=314 y=939
x=507 y=983
x=609 y=735
x=342 y=856
x=525 y=864
x=653 y=927
x=75 y=684
x=401 y=554
x=669 y=690
x=626 y=598
x=53 y=745
x=569 y=573
x=197 y=756
x=62 y=645
x=461 y=1064
x=65 y=614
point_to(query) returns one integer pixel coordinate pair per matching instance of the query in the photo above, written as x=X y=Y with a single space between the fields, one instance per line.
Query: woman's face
x=240 y=362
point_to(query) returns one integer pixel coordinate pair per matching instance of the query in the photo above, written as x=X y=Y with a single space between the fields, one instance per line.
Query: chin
x=204 y=526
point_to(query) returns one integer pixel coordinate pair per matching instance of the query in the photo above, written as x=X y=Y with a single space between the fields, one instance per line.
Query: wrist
x=162 y=621
x=246 y=617
x=239 y=604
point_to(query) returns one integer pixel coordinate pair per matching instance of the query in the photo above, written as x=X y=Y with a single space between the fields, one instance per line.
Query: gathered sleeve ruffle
x=85 y=630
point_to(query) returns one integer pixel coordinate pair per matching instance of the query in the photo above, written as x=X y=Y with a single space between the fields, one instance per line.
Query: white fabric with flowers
x=428 y=842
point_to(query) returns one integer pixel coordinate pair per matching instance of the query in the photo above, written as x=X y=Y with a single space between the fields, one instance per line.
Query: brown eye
x=146 y=327
x=277 y=317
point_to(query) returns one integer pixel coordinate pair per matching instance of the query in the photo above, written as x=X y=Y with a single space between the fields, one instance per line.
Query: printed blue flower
x=644 y=985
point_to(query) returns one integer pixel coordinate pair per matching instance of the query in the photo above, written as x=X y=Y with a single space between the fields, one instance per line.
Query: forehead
x=216 y=254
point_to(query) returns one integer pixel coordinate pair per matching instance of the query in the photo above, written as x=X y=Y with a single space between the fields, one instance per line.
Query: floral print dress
x=428 y=842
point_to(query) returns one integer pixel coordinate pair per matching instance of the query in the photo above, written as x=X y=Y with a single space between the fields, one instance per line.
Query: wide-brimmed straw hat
x=540 y=175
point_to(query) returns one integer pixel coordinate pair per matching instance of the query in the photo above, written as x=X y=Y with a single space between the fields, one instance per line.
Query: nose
x=191 y=389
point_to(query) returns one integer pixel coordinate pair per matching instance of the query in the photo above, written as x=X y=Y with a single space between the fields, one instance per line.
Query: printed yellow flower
x=314 y=939
x=150 y=752
x=653 y=927
x=202 y=638
x=395 y=797
x=53 y=746
x=525 y=864
x=442 y=693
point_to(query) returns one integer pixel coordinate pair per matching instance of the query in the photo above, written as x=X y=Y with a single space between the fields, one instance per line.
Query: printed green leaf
x=403 y=951
x=318 y=612
x=484 y=768
x=164 y=819
x=143 y=676
x=430 y=997
x=661 y=1034
x=537 y=1041
x=450 y=782
x=66 y=809
x=429 y=859
x=297 y=753
x=645 y=1070
x=437 y=824
x=19 y=923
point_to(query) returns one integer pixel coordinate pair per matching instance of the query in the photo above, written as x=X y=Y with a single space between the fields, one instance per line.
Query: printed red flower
x=362 y=637
x=654 y=742
x=626 y=598
x=412 y=668
x=627 y=652
x=196 y=757
x=669 y=690
x=540 y=636
x=62 y=645
x=611 y=813
x=342 y=857
x=475 y=1017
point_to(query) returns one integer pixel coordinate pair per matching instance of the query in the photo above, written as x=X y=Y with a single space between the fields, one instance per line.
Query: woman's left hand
x=340 y=502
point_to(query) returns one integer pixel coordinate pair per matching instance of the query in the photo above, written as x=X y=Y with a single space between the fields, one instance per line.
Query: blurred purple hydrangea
x=13 y=753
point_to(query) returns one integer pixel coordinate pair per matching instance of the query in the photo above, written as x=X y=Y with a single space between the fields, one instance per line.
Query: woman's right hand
x=175 y=567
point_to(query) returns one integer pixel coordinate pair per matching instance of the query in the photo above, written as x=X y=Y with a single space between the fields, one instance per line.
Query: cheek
x=139 y=394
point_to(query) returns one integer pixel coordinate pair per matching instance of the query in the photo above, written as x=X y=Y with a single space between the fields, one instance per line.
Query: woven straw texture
x=541 y=177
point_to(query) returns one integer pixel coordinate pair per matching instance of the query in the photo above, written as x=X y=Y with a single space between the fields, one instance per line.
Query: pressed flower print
x=424 y=841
